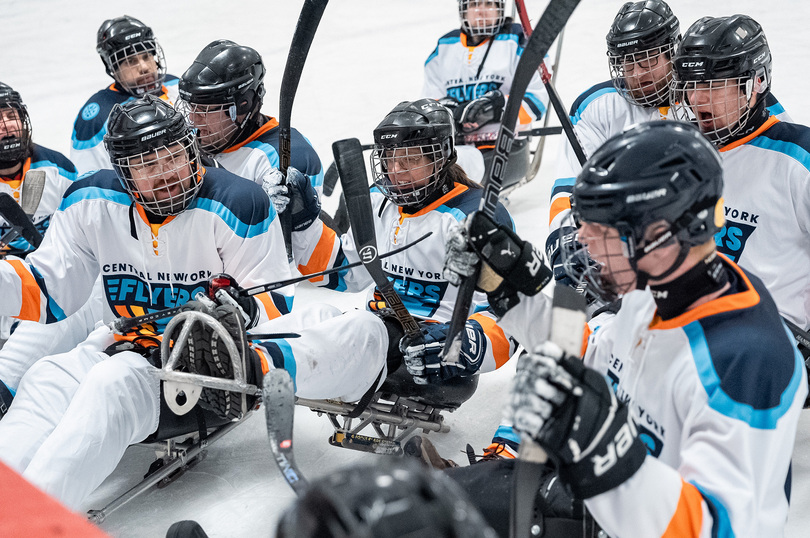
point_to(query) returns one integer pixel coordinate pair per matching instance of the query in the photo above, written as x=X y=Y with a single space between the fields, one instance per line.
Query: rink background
x=367 y=56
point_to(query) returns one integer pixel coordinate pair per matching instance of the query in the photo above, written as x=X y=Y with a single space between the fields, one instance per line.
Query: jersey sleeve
x=55 y=280
x=87 y=141
x=319 y=248
x=433 y=86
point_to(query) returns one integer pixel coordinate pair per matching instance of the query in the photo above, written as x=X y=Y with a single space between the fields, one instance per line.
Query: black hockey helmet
x=723 y=51
x=642 y=32
x=415 y=128
x=388 y=499
x=656 y=171
x=659 y=170
x=224 y=76
x=15 y=128
x=147 y=139
x=724 y=47
x=122 y=38
x=641 y=26
x=486 y=29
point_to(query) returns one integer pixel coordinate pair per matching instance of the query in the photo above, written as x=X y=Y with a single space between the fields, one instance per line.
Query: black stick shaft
x=354 y=180
x=308 y=22
x=549 y=26
x=278 y=397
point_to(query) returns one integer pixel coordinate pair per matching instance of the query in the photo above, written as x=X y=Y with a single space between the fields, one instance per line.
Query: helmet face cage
x=215 y=125
x=720 y=108
x=139 y=67
x=15 y=128
x=643 y=77
x=407 y=174
x=163 y=180
x=606 y=278
x=477 y=18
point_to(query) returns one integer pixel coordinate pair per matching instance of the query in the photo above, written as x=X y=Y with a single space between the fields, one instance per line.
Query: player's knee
x=322 y=312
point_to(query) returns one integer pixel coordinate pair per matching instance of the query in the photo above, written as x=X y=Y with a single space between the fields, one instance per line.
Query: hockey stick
x=568 y=320
x=308 y=22
x=553 y=96
x=19 y=222
x=123 y=325
x=330 y=177
x=30 y=195
x=349 y=158
x=278 y=395
x=550 y=24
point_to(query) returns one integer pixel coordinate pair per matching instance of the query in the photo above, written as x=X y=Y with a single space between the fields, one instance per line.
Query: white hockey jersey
x=464 y=72
x=597 y=115
x=87 y=141
x=229 y=227
x=416 y=272
x=716 y=395
x=767 y=210
x=258 y=155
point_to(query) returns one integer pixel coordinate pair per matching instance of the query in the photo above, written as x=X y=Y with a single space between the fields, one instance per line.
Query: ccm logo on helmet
x=132 y=36
x=153 y=135
x=644 y=196
x=691 y=64
x=388 y=136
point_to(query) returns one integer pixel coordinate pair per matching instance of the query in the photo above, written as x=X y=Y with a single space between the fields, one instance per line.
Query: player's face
x=11 y=124
x=137 y=70
x=717 y=104
x=606 y=248
x=163 y=174
x=214 y=125
x=647 y=73
x=483 y=14
x=408 y=168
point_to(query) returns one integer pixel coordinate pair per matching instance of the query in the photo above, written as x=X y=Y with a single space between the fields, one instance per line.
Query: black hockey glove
x=569 y=259
x=223 y=289
x=511 y=264
x=570 y=410
x=296 y=195
x=422 y=352
x=486 y=109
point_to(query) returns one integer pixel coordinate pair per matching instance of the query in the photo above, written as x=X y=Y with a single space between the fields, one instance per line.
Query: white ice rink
x=367 y=56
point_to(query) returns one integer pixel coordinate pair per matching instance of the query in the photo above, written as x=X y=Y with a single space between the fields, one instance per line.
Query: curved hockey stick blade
x=568 y=320
x=551 y=23
x=279 y=408
x=354 y=180
x=308 y=22
x=18 y=220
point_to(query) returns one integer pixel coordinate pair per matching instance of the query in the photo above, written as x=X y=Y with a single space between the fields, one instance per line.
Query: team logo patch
x=90 y=111
x=368 y=253
x=732 y=238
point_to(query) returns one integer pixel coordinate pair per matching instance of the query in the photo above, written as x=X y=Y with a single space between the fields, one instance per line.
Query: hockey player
x=134 y=59
x=471 y=72
x=722 y=84
x=156 y=230
x=641 y=43
x=418 y=189
x=19 y=154
x=688 y=398
x=222 y=94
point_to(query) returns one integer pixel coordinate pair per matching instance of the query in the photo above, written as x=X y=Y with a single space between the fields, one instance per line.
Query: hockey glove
x=486 y=109
x=511 y=264
x=422 y=352
x=223 y=289
x=568 y=270
x=297 y=194
x=571 y=411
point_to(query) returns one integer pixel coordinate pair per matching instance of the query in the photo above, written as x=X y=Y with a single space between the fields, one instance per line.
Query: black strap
x=366 y=399
x=201 y=426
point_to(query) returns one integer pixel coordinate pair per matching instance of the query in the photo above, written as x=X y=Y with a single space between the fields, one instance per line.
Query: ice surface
x=367 y=56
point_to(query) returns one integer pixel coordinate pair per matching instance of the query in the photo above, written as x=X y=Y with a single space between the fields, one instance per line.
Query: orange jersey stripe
x=321 y=255
x=31 y=306
x=457 y=189
x=688 y=517
x=500 y=344
x=558 y=205
x=271 y=123
x=269 y=305
x=764 y=127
